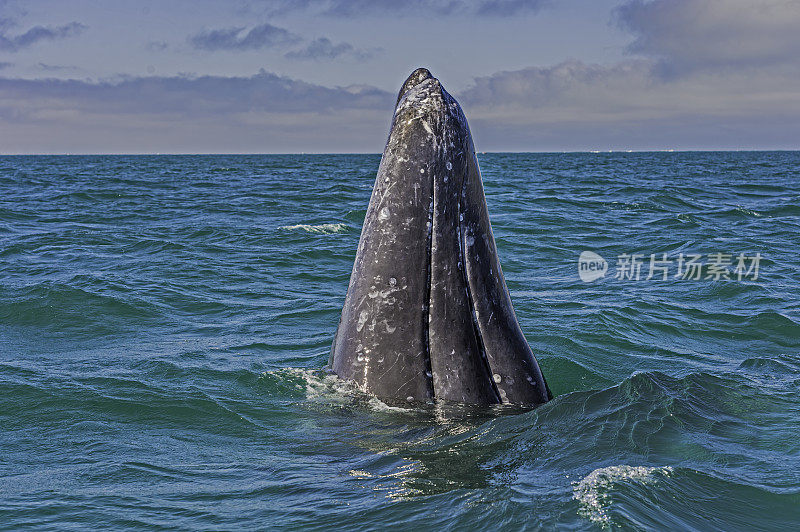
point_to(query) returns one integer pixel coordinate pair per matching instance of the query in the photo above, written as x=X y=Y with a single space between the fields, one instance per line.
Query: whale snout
x=416 y=77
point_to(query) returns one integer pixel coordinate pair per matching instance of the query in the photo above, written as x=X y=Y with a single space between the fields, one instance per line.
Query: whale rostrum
x=427 y=314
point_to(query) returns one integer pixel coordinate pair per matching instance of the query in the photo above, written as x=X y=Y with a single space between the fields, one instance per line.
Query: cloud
x=5 y=64
x=269 y=36
x=702 y=73
x=156 y=46
x=629 y=104
x=6 y=23
x=572 y=105
x=258 y=37
x=691 y=35
x=323 y=48
x=260 y=113
x=58 y=68
x=204 y=95
x=37 y=34
x=355 y=8
x=507 y=8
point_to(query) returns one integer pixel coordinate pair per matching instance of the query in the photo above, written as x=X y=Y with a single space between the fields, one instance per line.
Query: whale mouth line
x=428 y=280
x=461 y=238
x=462 y=243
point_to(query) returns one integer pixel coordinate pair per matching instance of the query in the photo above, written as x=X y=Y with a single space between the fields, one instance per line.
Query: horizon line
x=594 y=151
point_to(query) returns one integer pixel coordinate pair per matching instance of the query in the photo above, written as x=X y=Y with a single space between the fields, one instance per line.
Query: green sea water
x=165 y=322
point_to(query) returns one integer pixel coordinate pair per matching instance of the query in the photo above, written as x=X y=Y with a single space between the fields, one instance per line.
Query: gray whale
x=427 y=316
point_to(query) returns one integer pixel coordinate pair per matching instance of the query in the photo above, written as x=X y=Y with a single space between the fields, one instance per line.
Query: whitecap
x=592 y=491
x=319 y=229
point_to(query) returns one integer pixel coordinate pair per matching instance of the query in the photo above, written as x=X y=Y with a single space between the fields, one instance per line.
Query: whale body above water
x=428 y=316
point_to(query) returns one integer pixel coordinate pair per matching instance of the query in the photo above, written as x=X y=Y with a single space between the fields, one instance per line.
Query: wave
x=83 y=305
x=164 y=322
x=414 y=454
x=592 y=491
x=321 y=228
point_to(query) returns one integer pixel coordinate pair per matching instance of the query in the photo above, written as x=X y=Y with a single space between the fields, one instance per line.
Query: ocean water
x=165 y=322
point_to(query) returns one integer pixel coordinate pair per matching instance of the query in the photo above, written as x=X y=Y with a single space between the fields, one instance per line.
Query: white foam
x=321 y=228
x=379 y=406
x=329 y=388
x=591 y=491
x=323 y=385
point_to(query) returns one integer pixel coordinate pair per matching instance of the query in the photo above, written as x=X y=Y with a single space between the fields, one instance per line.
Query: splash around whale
x=427 y=316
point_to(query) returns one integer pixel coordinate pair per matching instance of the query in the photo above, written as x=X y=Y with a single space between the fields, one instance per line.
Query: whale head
x=427 y=316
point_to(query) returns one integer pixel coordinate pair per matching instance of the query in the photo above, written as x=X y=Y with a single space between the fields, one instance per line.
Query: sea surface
x=165 y=322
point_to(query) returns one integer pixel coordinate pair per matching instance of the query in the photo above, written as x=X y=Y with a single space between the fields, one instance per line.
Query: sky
x=321 y=76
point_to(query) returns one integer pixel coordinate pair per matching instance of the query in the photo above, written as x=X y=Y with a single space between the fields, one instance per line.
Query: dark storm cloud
x=324 y=49
x=691 y=35
x=258 y=37
x=35 y=35
x=351 y=8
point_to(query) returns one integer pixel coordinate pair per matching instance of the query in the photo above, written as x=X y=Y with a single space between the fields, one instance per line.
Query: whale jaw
x=427 y=314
